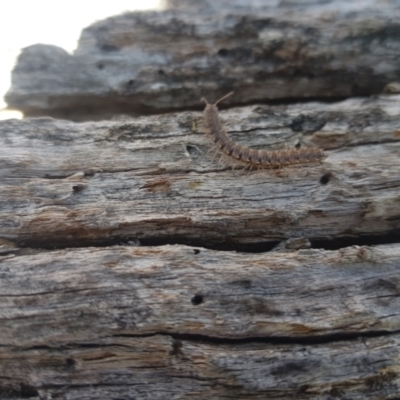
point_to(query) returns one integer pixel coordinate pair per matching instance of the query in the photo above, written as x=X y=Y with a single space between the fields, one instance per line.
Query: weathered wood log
x=150 y=179
x=157 y=61
x=179 y=322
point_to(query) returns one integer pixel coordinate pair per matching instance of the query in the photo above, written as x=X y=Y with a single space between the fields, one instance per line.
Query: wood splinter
x=253 y=157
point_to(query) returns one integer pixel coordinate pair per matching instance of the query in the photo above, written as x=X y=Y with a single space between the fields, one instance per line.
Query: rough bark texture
x=157 y=61
x=309 y=312
x=150 y=179
x=181 y=322
x=154 y=322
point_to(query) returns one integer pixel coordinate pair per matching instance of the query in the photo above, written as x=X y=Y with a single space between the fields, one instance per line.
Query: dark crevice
x=94 y=109
x=302 y=340
x=209 y=339
x=134 y=242
x=23 y=392
x=227 y=245
x=56 y=176
x=82 y=345
x=362 y=240
x=177 y=339
x=261 y=247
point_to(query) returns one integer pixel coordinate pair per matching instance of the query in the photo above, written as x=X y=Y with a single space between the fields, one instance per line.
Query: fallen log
x=181 y=322
x=154 y=179
x=97 y=302
x=152 y=62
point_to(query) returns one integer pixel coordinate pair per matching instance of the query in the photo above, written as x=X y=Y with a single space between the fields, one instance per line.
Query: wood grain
x=190 y=323
x=154 y=179
x=152 y=62
x=115 y=282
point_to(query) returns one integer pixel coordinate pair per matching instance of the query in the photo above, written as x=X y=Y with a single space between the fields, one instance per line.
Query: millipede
x=253 y=157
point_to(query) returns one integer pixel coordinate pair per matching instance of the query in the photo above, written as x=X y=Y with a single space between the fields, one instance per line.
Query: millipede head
x=204 y=100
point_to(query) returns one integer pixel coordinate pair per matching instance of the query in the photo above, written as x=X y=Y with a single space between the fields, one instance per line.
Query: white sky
x=27 y=22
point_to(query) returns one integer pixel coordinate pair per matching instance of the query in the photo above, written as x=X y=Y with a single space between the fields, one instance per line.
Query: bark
x=114 y=279
x=180 y=322
x=151 y=179
x=139 y=63
x=186 y=322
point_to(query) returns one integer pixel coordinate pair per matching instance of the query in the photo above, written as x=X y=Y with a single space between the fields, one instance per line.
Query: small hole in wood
x=196 y=251
x=176 y=348
x=108 y=48
x=297 y=145
x=78 y=188
x=196 y=300
x=325 y=178
x=223 y=52
x=131 y=82
x=26 y=392
x=303 y=388
x=100 y=66
x=191 y=149
x=70 y=362
x=90 y=172
x=161 y=72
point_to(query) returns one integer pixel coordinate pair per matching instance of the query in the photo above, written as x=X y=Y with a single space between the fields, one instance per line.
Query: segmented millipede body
x=253 y=157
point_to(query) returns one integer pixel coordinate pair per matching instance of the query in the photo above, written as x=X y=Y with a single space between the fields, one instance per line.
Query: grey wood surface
x=185 y=322
x=147 y=62
x=115 y=279
x=180 y=322
x=154 y=179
